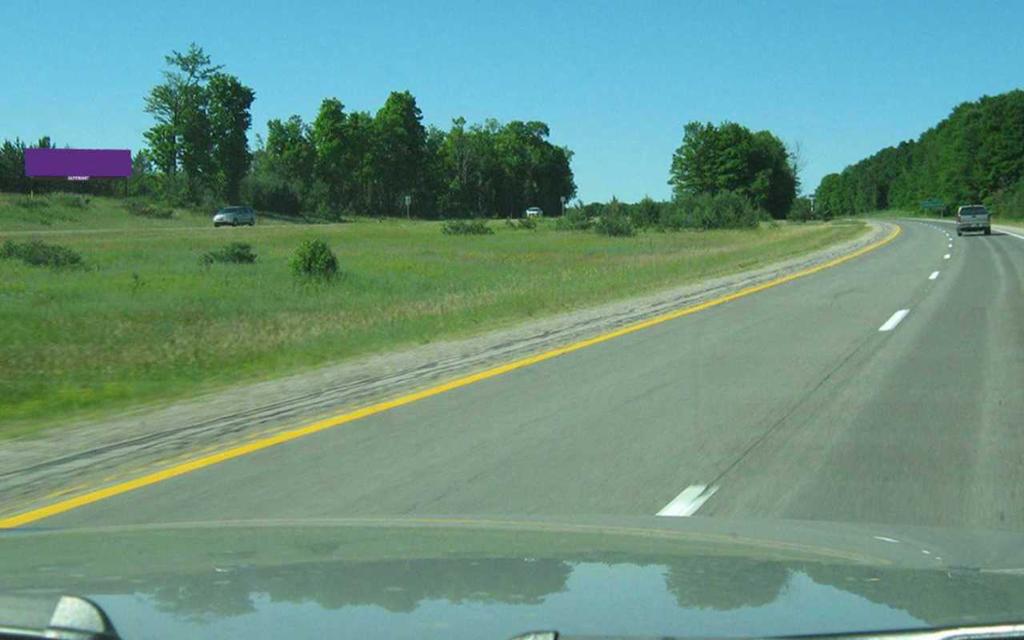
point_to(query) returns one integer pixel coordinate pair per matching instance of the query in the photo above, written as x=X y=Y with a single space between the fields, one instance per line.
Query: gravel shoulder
x=92 y=454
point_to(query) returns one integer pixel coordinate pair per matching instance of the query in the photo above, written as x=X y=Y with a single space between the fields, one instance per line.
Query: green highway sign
x=933 y=203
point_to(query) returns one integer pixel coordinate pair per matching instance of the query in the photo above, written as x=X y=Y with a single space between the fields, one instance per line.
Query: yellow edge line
x=328 y=423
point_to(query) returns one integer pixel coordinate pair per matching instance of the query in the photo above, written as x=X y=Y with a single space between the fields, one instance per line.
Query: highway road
x=887 y=389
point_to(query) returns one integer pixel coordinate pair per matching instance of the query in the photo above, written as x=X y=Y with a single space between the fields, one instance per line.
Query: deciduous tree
x=229 y=103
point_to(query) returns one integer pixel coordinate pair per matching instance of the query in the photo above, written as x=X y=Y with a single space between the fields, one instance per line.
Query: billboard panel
x=78 y=163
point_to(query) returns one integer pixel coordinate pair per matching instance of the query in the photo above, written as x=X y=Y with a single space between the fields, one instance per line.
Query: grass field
x=144 y=321
x=89 y=214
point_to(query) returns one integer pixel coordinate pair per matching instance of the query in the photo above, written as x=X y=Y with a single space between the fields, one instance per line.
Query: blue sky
x=616 y=81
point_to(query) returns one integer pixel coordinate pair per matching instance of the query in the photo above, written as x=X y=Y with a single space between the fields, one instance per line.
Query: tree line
x=974 y=155
x=389 y=163
x=13 y=180
x=342 y=163
x=346 y=163
x=722 y=176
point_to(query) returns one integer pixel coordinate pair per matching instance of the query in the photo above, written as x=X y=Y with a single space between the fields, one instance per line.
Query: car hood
x=472 y=578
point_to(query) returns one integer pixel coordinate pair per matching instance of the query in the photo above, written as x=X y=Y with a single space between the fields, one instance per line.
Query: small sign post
x=408 y=201
x=934 y=204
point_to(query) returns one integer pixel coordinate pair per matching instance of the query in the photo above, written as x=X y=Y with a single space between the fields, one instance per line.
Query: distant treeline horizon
x=343 y=163
x=975 y=155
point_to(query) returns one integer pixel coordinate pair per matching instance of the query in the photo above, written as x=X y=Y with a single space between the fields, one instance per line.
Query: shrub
x=32 y=202
x=146 y=210
x=615 y=221
x=521 y=223
x=646 y=213
x=314 y=259
x=270 y=194
x=232 y=253
x=39 y=254
x=726 y=210
x=174 y=189
x=676 y=216
x=72 y=200
x=800 y=211
x=466 y=228
x=575 y=219
x=1009 y=202
x=730 y=210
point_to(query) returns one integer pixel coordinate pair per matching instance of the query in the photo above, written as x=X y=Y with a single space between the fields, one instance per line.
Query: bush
x=146 y=210
x=144 y=184
x=675 y=217
x=466 y=228
x=232 y=253
x=575 y=219
x=32 y=202
x=521 y=223
x=800 y=211
x=1009 y=202
x=314 y=259
x=72 y=200
x=726 y=210
x=615 y=221
x=174 y=189
x=646 y=213
x=270 y=194
x=39 y=254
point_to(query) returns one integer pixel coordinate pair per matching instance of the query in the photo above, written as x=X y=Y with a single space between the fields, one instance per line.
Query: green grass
x=145 y=321
x=83 y=214
x=57 y=212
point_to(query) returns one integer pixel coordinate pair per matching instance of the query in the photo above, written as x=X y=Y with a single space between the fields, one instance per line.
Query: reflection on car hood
x=454 y=578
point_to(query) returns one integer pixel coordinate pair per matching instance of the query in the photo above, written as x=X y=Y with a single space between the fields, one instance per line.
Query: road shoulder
x=98 y=453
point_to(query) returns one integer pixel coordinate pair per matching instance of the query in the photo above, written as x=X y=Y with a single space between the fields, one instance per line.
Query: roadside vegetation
x=110 y=301
x=729 y=158
x=231 y=253
x=341 y=165
x=314 y=260
x=37 y=253
x=466 y=228
x=974 y=155
x=722 y=176
x=63 y=211
x=149 y=210
x=149 y=319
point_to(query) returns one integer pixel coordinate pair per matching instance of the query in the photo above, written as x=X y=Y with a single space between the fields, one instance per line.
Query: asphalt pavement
x=887 y=389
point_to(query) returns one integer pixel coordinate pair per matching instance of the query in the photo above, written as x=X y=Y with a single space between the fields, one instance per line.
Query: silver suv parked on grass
x=234 y=216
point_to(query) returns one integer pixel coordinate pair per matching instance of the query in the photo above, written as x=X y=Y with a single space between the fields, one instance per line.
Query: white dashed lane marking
x=894 y=320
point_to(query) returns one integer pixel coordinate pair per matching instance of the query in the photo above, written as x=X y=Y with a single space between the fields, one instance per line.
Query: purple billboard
x=78 y=163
